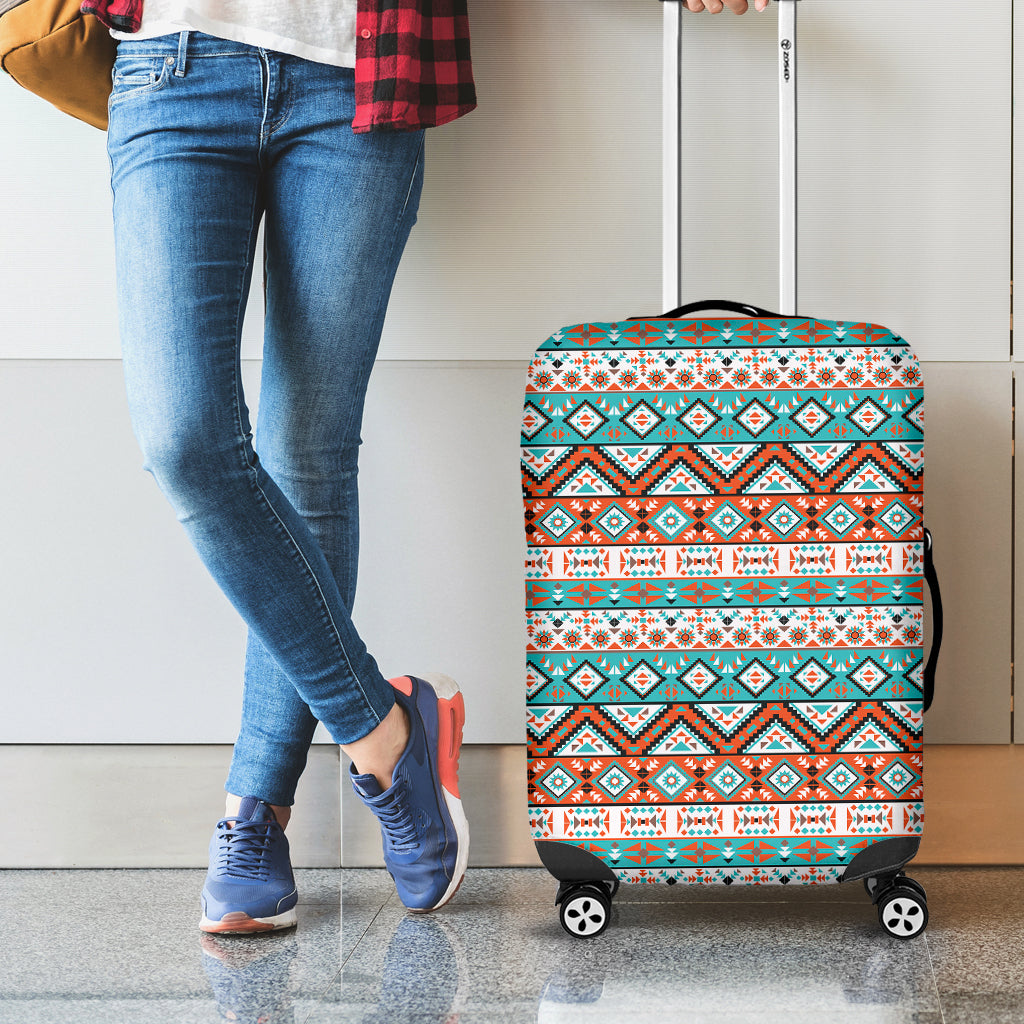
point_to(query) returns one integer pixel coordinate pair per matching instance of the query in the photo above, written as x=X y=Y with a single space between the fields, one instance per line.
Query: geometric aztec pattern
x=724 y=595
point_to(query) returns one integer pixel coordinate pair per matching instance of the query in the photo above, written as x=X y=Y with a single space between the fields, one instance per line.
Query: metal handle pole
x=671 y=140
x=787 y=157
x=671 y=289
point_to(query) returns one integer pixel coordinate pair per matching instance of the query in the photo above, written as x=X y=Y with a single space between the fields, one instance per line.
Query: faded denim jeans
x=206 y=138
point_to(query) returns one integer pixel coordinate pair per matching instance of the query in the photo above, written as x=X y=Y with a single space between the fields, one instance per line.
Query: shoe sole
x=451 y=717
x=240 y=923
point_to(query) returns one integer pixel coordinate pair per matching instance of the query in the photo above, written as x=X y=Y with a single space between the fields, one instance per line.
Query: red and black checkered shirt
x=412 y=59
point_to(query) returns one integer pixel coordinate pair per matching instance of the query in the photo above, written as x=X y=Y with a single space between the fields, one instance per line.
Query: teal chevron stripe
x=673 y=406
x=903 y=666
x=790 y=592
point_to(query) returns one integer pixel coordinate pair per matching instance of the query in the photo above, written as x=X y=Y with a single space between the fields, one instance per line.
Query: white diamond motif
x=534 y=421
x=700 y=678
x=813 y=677
x=586 y=420
x=586 y=679
x=558 y=781
x=897 y=517
x=812 y=417
x=558 y=522
x=870 y=676
x=642 y=419
x=727 y=779
x=755 y=677
x=897 y=777
x=842 y=777
x=614 y=781
x=670 y=521
x=671 y=780
x=756 y=417
x=868 y=416
x=615 y=521
x=643 y=679
x=699 y=418
x=785 y=778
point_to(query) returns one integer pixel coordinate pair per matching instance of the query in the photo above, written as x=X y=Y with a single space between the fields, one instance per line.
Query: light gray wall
x=541 y=209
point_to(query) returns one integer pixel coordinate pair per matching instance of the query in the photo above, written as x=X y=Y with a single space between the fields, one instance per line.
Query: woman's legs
x=198 y=153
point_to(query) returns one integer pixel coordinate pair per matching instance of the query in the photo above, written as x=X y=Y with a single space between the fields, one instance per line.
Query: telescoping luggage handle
x=672 y=35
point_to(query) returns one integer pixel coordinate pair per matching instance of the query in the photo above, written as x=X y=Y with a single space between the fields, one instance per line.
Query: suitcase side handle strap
x=931 y=577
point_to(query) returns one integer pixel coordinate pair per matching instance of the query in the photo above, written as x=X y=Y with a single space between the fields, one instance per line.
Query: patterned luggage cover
x=724 y=595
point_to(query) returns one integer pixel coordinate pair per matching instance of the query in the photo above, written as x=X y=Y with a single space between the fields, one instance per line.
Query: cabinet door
x=969 y=509
x=542 y=206
x=904 y=167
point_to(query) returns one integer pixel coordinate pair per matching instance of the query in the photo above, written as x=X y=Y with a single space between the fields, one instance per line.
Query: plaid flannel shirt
x=413 y=68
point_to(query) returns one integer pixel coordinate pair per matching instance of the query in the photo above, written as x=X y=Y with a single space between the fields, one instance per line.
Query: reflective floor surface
x=122 y=946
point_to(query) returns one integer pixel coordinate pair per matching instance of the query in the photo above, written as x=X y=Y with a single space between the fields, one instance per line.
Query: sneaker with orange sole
x=423 y=825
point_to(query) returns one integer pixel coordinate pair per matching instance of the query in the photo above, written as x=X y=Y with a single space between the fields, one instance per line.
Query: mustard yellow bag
x=50 y=48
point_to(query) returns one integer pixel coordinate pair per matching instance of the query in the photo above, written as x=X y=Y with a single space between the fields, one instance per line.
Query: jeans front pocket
x=135 y=74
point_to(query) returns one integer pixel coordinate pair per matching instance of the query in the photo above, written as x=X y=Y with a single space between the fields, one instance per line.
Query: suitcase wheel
x=871 y=885
x=903 y=909
x=585 y=911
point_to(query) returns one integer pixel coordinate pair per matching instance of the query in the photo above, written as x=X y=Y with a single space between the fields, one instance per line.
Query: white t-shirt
x=320 y=30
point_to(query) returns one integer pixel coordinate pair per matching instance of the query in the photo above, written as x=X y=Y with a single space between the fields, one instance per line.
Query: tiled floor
x=113 y=946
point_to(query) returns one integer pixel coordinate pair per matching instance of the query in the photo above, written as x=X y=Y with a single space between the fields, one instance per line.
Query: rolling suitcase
x=725 y=576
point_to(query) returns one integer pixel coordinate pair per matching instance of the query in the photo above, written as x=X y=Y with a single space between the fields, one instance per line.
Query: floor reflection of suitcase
x=725 y=595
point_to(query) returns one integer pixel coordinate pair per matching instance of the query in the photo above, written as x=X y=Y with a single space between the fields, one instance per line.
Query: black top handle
x=743 y=308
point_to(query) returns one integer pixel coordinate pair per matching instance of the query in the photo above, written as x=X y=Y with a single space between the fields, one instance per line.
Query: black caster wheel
x=903 y=911
x=874 y=886
x=585 y=912
x=912 y=883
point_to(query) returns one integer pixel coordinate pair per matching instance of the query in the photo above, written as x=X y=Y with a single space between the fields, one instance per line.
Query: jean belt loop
x=179 y=68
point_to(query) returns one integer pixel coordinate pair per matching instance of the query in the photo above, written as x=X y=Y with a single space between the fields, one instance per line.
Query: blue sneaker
x=249 y=887
x=426 y=836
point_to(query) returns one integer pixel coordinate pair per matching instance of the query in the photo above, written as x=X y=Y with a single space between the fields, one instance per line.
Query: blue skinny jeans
x=207 y=137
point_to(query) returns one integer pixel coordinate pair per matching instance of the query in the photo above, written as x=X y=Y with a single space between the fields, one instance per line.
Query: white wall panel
x=110 y=629
x=112 y=632
x=57 y=285
x=443 y=547
x=904 y=167
x=541 y=208
x=56 y=263
x=969 y=509
x=96 y=793
x=544 y=205
x=1018 y=348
